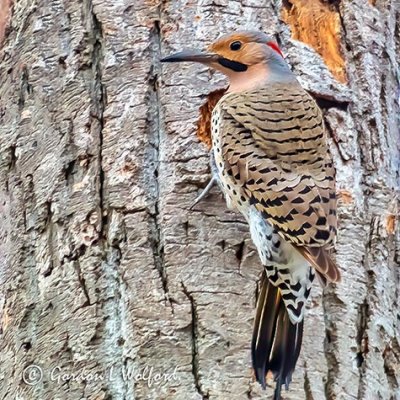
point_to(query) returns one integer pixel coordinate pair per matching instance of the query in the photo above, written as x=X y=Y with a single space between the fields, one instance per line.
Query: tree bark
x=104 y=270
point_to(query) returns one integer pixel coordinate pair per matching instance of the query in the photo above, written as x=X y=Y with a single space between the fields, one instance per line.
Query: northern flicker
x=273 y=165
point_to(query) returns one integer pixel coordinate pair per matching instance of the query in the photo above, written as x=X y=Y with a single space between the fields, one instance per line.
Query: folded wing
x=274 y=149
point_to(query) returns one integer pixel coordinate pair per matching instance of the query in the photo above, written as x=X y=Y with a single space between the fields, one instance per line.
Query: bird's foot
x=213 y=181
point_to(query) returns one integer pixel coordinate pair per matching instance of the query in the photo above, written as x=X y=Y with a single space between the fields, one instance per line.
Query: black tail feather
x=276 y=340
x=260 y=346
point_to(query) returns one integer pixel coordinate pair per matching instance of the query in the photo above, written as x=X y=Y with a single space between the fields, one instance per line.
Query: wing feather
x=274 y=149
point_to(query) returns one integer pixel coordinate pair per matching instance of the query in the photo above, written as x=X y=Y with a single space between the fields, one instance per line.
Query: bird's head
x=247 y=58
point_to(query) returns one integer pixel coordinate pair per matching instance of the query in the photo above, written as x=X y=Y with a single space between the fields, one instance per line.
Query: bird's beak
x=192 y=56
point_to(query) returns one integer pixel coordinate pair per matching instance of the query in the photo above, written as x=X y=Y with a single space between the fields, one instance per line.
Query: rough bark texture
x=103 y=267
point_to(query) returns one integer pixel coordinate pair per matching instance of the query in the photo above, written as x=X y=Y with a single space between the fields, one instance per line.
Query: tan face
x=249 y=59
x=240 y=48
x=249 y=52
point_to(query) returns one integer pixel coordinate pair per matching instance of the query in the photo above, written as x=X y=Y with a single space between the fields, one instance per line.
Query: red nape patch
x=275 y=47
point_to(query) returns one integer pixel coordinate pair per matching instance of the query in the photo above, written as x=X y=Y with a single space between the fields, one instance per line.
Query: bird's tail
x=276 y=340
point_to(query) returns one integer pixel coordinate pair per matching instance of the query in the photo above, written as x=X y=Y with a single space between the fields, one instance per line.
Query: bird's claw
x=213 y=181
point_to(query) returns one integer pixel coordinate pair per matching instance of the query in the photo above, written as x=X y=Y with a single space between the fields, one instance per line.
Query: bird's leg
x=205 y=191
x=212 y=182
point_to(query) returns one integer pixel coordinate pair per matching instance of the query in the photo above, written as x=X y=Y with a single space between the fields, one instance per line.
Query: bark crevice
x=155 y=127
x=331 y=356
x=194 y=329
x=307 y=385
x=109 y=306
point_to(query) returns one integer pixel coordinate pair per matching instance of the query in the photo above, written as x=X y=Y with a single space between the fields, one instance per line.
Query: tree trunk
x=110 y=285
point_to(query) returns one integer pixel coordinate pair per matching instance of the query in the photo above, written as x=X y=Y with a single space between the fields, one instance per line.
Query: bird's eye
x=235 y=46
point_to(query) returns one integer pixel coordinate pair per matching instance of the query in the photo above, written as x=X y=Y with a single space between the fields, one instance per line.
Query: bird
x=273 y=164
